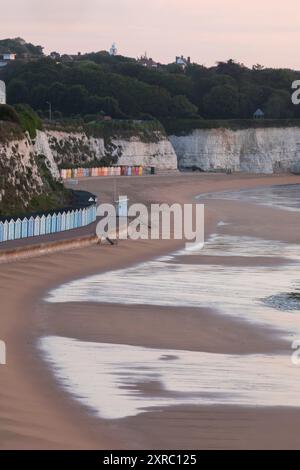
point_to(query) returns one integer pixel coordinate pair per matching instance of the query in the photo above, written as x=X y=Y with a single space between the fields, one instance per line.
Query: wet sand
x=36 y=413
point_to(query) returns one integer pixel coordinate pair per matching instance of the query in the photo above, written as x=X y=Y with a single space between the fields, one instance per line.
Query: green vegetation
x=147 y=131
x=23 y=195
x=54 y=195
x=29 y=120
x=186 y=126
x=92 y=85
x=21 y=48
x=21 y=115
x=9 y=114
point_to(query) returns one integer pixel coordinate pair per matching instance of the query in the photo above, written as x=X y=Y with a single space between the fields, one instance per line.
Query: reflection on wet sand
x=246 y=278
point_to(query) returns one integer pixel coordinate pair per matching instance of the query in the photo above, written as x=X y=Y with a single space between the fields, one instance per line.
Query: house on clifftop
x=6 y=58
x=259 y=114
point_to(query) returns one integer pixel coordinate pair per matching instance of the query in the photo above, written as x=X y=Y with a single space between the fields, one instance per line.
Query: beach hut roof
x=259 y=113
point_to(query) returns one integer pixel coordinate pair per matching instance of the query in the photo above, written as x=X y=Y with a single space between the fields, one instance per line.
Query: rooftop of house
x=182 y=61
x=147 y=61
x=259 y=113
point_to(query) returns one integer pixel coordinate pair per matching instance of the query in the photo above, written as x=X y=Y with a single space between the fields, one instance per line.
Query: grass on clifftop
x=21 y=116
x=29 y=120
x=186 y=126
x=147 y=131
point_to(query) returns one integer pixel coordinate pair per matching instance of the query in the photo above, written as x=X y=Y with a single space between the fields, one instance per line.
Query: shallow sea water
x=116 y=381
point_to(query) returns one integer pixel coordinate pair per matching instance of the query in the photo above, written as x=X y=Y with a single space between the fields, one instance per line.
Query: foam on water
x=236 y=291
x=285 y=197
x=117 y=381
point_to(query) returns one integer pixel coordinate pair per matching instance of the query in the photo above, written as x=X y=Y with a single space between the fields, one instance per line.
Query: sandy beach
x=37 y=413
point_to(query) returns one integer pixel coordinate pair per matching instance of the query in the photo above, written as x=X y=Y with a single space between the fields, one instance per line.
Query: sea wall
x=257 y=150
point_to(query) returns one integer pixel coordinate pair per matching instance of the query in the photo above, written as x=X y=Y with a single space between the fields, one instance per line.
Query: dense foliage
x=20 y=47
x=22 y=115
x=9 y=114
x=29 y=120
x=96 y=84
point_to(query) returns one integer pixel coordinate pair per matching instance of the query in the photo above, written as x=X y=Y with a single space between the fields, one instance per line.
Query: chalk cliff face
x=24 y=162
x=76 y=148
x=261 y=150
x=160 y=154
x=20 y=177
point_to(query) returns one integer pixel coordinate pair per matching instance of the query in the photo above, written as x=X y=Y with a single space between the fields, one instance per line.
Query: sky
x=260 y=31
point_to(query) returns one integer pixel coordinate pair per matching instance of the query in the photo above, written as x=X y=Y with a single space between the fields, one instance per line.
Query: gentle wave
x=237 y=291
x=117 y=381
x=284 y=197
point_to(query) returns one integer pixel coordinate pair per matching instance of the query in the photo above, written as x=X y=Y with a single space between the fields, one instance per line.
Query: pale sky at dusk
x=259 y=31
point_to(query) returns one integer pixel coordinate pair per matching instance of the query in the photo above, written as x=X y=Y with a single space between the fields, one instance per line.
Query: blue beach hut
x=18 y=228
x=84 y=217
x=58 y=222
x=76 y=218
x=37 y=226
x=11 y=229
x=31 y=227
x=48 y=224
x=43 y=225
x=63 y=221
x=80 y=218
x=53 y=223
x=24 y=229
x=5 y=231
x=1 y=231
x=72 y=219
x=68 y=216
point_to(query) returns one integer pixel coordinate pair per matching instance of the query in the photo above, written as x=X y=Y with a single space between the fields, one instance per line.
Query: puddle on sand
x=285 y=301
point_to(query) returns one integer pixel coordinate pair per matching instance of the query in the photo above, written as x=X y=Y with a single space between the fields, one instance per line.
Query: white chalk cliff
x=77 y=148
x=261 y=150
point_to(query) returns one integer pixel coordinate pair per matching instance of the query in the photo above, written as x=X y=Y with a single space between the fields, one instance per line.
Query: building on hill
x=113 y=50
x=182 y=62
x=6 y=58
x=147 y=62
x=54 y=55
x=2 y=92
x=67 y=58
x=259 y=114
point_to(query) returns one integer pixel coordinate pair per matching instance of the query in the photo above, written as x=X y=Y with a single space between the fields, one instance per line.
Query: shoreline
x=35 y=411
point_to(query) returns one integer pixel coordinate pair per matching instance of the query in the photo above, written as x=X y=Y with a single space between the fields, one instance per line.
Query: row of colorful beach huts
x=33 y=226
x=101 y=171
